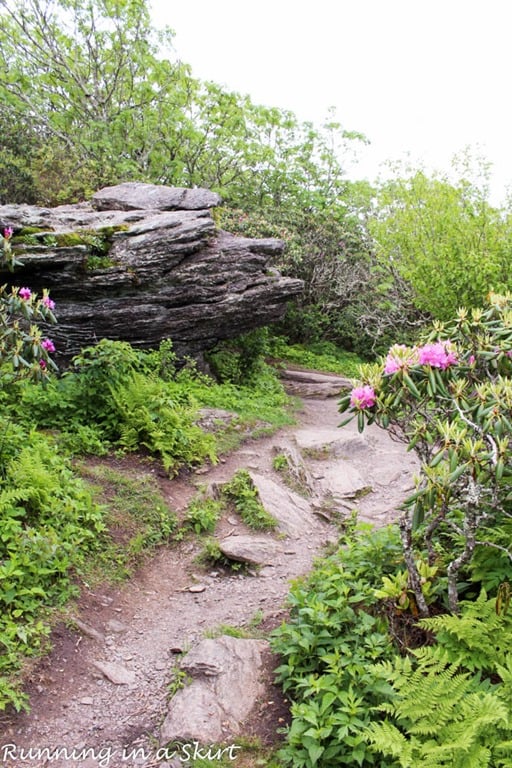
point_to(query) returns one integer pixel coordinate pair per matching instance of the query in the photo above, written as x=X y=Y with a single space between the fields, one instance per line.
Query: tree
x=88 y=76
x=444 y=239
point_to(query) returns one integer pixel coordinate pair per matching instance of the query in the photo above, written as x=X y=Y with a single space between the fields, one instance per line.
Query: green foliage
x=327 y=651
x=211 y=555
x=451 y=400
x=148 y=415
x=320 y=356
x=241 y=492
x=448 y=243
x=356 y=701
x=49 y=524
x=240 y=360
x=24 y=352
x=112 y=388
x=203 y=513
x=262 y=401
x=17 y=149
x=137 y=518
x=477 y=640
x=439 y=713
x=450 y=719
x=396 y=588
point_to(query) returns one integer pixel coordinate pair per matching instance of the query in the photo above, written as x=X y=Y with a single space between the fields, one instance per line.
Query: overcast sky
x=425 y=78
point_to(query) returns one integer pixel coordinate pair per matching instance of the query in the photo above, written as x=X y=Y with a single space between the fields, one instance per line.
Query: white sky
x=427 y=78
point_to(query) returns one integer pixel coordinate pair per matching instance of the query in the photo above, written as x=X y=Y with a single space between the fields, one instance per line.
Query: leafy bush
x=203 y=513
x=444 y=239
x=240 y=360
x=451 y=400
x=327 y=651
x=113 y=397
x=449 y=704
x=357 y=700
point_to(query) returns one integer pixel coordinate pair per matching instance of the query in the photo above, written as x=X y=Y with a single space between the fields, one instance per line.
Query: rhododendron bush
x=450 y=399
x=24 y=350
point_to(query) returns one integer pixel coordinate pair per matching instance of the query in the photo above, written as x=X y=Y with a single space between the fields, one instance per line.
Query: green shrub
x=450 y=399
x=240 y=360
x=113 y=398
x=328 y=649
x=203 y=513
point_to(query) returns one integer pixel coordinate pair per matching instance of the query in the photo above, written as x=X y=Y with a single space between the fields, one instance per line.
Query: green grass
x=240 y=491
x=322 y=356
x=137 y=519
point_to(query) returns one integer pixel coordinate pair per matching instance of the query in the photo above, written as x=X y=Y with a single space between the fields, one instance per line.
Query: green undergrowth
x=137 y=519
x=118 y=398
x=362 y=697
x=66 y=519
x=320 y=356
x=241 y=492
x=51 y=526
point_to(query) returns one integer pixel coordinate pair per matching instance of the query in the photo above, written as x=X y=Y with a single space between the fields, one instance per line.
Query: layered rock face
x=142 y=263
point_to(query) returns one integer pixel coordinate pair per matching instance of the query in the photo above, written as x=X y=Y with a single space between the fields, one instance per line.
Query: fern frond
x=387 y=739
x=478 y=638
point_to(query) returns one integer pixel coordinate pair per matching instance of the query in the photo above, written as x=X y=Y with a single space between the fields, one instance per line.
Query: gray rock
x=136 y=195
x=313 y=384
x=116 y=673
x=89 y=631
x=255 y=550
x=292 y=512
x=343 y=481
x=115 y=626
x=224 y=688
x=143 y=274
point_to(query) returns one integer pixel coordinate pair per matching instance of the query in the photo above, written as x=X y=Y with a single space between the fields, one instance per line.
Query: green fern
x=478 y=639
x=148 y=416
x=440 y=716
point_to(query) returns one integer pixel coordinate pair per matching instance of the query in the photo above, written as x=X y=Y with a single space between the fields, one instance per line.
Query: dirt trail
x=143 y=625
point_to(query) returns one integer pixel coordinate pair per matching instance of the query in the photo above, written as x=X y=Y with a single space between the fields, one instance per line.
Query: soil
x=145 y=624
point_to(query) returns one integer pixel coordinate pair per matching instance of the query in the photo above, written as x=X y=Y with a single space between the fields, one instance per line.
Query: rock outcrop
x=142 y=263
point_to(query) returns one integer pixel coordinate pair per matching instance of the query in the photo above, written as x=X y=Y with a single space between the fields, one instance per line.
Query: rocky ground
x=103 y=695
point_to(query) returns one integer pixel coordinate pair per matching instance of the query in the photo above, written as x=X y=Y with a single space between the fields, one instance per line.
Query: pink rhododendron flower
x=25 y=293
x=48 y=345
x=471 y=359
x=8 y=232
x=438 y=355
x=42 y=365
x=48 y=303
x=363 y=397
x=400 y=356
x=392 y=364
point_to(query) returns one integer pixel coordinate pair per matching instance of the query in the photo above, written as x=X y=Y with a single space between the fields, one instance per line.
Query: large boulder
x=142 y=263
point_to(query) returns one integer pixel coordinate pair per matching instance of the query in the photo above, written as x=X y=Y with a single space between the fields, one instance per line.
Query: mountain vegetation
x=397 y=652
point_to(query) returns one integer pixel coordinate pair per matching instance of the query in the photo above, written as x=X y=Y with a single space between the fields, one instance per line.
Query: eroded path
x=105 y=687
